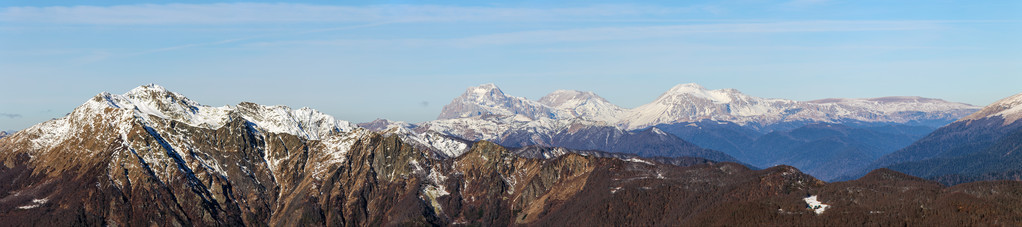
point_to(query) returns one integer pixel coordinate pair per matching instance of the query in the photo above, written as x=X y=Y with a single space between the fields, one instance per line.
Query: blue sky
x=404 y=60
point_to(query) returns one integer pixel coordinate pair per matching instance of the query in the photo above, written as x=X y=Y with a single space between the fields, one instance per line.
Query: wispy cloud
x=231 y=13
x=647 y=32
x=10 y=115
x=802 y=4
x=249 y=38
x=634 y=33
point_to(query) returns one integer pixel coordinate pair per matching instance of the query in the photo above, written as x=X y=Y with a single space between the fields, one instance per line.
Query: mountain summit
x=982 y=146
x=1010 y=109
x=692 y=102
x=152 y=104
x=488 y=99
x=582 y=104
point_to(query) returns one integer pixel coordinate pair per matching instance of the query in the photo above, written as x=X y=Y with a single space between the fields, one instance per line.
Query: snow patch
x=35 y=203
x=614 y=190
x=435 y=189
x=637 y=160
x=815 y=205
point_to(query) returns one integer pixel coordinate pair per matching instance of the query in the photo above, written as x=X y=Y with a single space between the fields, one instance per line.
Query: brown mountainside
x=382 y=181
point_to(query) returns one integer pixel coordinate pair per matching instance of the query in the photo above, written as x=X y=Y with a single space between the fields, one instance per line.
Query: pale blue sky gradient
x=404 y=60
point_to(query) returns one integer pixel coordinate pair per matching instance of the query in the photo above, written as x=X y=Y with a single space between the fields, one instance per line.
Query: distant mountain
x=5 y=134
x=980 y=146
x=829 y=151
x=577 y=134
x=487 y=99
x=759 y=131
x=582 y=104
x=687 y=103
x=154 y=157
x=692 y=103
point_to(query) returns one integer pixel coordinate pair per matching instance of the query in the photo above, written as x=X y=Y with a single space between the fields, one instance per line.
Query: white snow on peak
x=305 y=122
x=893 y=104
x=582 y=104
x=691 y=102
x=487 y=99
x=1009 y=108
x=432 y=140
x=697 y=91
x=486 y=93
x=155 y=101
x=486 y=88
x=567 y=98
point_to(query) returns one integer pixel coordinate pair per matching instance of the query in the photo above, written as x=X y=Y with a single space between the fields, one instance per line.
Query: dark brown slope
x=887 y=197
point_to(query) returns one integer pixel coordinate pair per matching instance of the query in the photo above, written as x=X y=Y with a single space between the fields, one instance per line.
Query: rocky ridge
x=151 y=164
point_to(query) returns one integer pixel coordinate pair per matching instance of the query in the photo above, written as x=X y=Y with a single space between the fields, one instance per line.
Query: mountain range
x=693 y=103
x=986 y=145
x=827 y=138
x=155 y=157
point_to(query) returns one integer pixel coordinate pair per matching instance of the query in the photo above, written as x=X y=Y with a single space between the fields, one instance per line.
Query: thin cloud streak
x=10 y=115
x=632 y=33
x=236 y=40
x=646 y=32
x=234 y=13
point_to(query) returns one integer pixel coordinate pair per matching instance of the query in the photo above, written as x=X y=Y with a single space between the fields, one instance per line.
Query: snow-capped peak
x=148 y=88
x=1009 y=108
x=691 y=90
x=151 y=100
x=486 y=92
x=582 y=104
x=488 y=99
x=485 y=88
x=154 y=100
x=305 y=122
x=564 y=98
x=686 y=88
